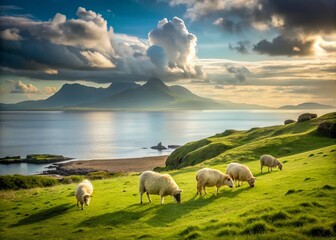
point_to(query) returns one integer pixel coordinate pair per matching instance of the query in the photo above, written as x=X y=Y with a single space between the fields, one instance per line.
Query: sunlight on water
x=106 y=135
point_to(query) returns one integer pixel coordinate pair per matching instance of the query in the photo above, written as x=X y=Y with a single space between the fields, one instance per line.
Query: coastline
x=109 y=165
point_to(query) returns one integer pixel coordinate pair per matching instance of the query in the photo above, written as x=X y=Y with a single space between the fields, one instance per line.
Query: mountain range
x=154 y=94
x=308 y=105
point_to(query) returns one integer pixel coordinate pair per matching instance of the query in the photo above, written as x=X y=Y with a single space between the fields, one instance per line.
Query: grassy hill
x=244 y=146
x=295 y=203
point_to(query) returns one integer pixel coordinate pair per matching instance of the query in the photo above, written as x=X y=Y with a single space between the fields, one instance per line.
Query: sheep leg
x=268 y=169
x=261 y=167
x=204 y=190
x=162 y=199
x=77 y=203
x=217 y=188
x=141 y=193
x=149 y=199
x=82 y=206
x=199 y=189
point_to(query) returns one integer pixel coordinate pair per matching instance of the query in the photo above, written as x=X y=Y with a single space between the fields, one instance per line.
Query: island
x=34 y=158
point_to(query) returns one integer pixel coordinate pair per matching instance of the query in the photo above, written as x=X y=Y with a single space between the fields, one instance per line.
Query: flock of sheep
x=164 y=185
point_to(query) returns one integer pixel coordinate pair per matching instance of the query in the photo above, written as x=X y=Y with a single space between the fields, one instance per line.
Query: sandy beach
x=116 y=165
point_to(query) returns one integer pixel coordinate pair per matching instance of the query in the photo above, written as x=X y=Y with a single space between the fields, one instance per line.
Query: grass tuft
x=328 y=187
x=318 y=231
x=189 y=230
x=256 y=228
x=226 y=232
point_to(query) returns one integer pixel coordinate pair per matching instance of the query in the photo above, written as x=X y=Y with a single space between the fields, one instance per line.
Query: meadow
x=295 y=203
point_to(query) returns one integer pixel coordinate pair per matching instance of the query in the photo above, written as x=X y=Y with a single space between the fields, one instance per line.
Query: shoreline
x=80 y=167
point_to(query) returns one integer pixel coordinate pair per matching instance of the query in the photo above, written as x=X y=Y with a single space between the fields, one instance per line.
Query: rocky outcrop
x=289 y=121
x=174 y=146
x=306 y=117
x=327 y=129
x=159 y=147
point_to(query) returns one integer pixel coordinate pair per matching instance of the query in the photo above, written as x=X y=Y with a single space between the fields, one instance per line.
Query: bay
x=108 y=135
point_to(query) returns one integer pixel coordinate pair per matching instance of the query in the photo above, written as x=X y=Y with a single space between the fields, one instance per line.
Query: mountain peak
x=155 y=82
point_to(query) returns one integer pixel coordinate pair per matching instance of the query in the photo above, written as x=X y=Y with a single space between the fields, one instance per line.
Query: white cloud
x=21 y=87
x=178 y=48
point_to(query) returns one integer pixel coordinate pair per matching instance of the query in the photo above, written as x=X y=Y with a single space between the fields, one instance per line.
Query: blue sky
x=232 y=49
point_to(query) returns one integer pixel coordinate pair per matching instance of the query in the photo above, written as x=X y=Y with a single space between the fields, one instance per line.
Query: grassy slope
x=242 y=146
x=295 y=203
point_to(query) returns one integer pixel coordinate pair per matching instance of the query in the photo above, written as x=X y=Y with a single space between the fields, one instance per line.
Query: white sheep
x=159 y=184
x=240 y=173
x=84 y=192
x=208 y=177
x=270 y=162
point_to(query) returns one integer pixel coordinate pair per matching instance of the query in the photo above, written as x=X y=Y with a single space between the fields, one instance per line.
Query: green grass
x=243 y=146
x=295 y=203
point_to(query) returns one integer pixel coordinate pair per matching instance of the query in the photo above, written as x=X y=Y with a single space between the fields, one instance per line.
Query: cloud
x=292 y=20
x=157 y=56
x=178 y=48
x=21 y=87
x=50 y=90
x=240 y=72
x=10 y=34
x=283 y=46
x=86 y=48
x=241 y=46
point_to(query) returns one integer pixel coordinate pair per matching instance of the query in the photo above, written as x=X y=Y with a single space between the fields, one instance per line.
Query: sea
x=118 y=134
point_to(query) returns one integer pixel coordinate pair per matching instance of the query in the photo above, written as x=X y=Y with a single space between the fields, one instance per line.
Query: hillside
x=295 y=203
x=154 y=94
x=308 y=105
x=244 y=146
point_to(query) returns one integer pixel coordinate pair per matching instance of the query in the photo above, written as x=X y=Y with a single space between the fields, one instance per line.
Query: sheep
x=159 y=184
x=270 y=162
x=84 y=192
x=240 y=173
x=208 y=177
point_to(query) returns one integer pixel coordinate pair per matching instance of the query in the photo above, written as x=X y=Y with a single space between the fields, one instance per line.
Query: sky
x=265 y=52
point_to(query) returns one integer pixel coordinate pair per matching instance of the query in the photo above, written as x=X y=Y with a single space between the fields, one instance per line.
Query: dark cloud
x=283 y=46
x=293 y=20
x=241 y=46
x=157 y=56
x=240 y=72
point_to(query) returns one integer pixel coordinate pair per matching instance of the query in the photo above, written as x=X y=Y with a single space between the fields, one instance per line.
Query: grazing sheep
x=208 y=177
x=84 y=193
x=240 y=173
x=270 y=162
x=159 y=184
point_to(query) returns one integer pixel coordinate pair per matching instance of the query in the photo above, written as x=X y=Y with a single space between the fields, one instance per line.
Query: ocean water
x=106 y=135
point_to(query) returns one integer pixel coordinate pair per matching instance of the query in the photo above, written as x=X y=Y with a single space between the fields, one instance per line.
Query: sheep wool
x=160 y=184
x=84 y=192
x=270 y=162
x=240 y=173
x=208 y=177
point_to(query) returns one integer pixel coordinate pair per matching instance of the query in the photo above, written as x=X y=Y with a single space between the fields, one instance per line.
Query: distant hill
x=156 y=95
x=308 y=105
x=71 y=95
x=153 y=95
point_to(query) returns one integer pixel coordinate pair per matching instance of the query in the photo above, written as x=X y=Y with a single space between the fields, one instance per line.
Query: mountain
x=71 y=95
x=156 y=95
x=308 y=105
x=153 y=95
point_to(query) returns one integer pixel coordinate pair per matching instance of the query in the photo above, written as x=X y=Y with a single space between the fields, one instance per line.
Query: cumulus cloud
x=293 y=20
x=174 y=47
x=86 y=48
x=21 y=87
